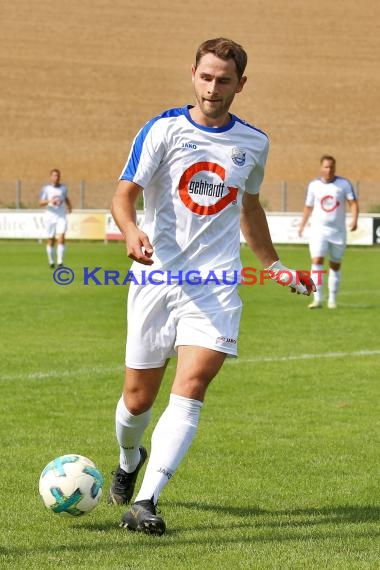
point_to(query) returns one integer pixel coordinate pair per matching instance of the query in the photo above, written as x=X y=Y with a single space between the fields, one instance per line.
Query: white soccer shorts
x=163 y=317
x=321 y=246
x=55 y=225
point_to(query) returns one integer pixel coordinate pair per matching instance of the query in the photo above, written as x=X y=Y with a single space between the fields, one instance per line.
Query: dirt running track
x=79 y=78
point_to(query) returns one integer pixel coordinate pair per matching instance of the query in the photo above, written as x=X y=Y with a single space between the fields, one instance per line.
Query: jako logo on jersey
x=189 y=186
x=238 y=156
x=329 y=203
x=189 y=145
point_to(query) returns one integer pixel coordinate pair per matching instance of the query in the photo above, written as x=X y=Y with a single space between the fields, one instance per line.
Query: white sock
x=318 y=279
x=50 y=253
x=171 y=439
x=333 y=284
x=60 y=252
x=129 y=431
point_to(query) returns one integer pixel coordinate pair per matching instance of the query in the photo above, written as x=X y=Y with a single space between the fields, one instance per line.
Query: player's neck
x=210 y=122
x=328 y=180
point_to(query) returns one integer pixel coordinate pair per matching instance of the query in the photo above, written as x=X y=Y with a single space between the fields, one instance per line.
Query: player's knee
x=192 y=387
x=137 y=401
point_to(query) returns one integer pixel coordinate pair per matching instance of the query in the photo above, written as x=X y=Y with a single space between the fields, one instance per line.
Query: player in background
x=200 y=169
x=326 y=198
x=54 y=197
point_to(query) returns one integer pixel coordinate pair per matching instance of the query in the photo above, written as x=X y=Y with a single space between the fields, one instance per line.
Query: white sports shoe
x=332 y=305
x=315 y=305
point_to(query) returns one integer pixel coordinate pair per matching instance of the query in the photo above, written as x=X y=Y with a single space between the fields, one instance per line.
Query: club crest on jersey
x=203 y=191
x=238 y=156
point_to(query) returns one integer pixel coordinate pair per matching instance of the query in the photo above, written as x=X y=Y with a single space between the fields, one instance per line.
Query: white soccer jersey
x=328 y=200
x=194 y=178
x=56 y=195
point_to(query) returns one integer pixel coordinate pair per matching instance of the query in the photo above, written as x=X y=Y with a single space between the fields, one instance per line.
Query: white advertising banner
x=30 y=224
x=113 y=232
x=284 y=230
x=100 y=225
x=27 y=224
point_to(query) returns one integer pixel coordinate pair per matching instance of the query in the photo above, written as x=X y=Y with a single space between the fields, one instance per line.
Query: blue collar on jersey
x=227 y=127
x=330 y=182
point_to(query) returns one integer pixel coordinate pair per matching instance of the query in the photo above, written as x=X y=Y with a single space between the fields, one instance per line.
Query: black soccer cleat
x=123 y=484
x=142 y=517
x=52 y=265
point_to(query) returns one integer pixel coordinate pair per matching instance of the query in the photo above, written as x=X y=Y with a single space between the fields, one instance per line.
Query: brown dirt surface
x=78 y=79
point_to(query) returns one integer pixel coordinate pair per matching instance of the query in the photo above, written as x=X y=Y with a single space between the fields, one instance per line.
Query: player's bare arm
x=68 y=205
x=305 y=216
x=254 y=225
x=354 y=208
x=123 y=210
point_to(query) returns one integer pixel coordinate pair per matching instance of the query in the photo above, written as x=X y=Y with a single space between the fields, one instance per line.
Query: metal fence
x=275 y=197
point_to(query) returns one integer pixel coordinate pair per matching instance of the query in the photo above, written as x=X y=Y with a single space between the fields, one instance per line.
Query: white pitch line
x=305 y=356
x=357 y=292
x=119 y=368
x=64 y=373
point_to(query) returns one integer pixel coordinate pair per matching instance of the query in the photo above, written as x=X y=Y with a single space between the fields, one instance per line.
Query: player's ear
x=193 y=70
x=241 y=83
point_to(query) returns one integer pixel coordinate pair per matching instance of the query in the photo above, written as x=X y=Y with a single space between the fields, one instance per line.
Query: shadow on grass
x=282 y=526
x=334 y=514
x=263 y=518
x=258 y=518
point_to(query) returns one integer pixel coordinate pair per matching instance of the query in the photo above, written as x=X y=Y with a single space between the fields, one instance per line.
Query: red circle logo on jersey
x=329 y=203
x=188 y=187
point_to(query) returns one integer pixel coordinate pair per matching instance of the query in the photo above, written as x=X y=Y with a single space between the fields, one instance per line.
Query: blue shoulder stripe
x=250 y=126
x=134 y=159
x=350 y=185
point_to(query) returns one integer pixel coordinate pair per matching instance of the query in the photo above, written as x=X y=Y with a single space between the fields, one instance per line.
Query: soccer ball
x=71 y=485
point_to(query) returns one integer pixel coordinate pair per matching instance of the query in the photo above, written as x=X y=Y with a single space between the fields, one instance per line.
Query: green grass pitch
x=283 y=473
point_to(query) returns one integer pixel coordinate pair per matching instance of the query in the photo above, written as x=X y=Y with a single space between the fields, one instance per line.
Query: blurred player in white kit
x=54 y=197
x=326 y=198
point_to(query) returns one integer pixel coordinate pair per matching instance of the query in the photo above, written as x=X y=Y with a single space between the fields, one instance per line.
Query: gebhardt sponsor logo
x=189 y=187
x=329 y=203
x=204 y=188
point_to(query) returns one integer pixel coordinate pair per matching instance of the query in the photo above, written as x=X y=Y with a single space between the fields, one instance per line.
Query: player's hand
x=138 y=246
x=299 y=282
x=353 y=226
x=300 y=231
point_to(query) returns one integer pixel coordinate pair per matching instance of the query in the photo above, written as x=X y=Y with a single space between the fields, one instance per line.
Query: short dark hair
x=327 y=157
x=224 y=49
x=55 y=170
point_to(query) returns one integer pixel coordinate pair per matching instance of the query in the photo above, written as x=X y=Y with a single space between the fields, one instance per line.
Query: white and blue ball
x=71 y=485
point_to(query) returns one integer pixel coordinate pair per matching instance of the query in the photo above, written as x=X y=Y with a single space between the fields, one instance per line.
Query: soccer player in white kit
x=326 y=200
x=54 y=197
x=200 y=169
